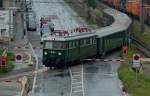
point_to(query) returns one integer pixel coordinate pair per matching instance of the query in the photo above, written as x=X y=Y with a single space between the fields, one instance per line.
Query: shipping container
x=133 y=7
x=115 y=3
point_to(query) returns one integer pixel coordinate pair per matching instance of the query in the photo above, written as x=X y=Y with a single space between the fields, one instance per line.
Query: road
x=99 y=78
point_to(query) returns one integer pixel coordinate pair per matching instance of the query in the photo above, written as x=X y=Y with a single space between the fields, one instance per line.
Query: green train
x=62 y=49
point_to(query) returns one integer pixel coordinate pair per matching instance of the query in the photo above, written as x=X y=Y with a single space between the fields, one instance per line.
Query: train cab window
x=55 y=45
x=48 y=45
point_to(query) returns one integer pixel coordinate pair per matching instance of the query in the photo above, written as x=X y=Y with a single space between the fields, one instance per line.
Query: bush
x=11 y=56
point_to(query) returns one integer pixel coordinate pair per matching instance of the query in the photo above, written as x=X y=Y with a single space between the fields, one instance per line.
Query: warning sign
x=19 y=58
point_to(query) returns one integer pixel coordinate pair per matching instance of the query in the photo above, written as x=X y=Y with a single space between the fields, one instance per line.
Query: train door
x=100 y=46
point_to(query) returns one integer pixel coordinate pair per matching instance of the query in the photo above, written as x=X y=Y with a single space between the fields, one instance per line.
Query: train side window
x=88 y=41
x=94 y=40
x=71 y=44
x=82 y=42
x=76 y=43
x=66 y=45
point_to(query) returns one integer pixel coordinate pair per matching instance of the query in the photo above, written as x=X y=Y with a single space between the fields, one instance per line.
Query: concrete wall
x=8 y=3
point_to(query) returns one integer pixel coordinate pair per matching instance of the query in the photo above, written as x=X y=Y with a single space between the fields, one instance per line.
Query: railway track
x=76 y=74
x=141 y=46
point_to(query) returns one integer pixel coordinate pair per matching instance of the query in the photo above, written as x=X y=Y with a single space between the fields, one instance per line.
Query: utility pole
x=142 y=16
x=10 y=32
x=9 y=41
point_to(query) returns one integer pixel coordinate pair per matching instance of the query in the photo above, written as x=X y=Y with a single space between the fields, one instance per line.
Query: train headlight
x=45 y=53
x=59 y=53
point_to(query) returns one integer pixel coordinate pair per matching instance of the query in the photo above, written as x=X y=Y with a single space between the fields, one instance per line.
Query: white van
x=31 y=21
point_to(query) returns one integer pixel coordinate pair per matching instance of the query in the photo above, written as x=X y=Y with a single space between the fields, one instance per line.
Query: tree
x=91 y=4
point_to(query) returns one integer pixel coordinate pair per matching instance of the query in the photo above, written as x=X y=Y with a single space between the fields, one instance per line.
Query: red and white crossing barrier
x=13 y=81
x=104 y=60
x=19 y=47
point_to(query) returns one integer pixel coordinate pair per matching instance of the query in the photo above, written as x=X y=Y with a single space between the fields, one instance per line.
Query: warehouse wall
x=8 y=3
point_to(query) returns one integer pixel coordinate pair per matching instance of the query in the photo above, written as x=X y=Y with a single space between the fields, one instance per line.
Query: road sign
x=19 y=58
x=136 y=60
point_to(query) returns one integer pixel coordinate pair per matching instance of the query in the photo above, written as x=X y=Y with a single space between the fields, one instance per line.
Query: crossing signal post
x=3 y=61
x=136 y=64
x=125 y=51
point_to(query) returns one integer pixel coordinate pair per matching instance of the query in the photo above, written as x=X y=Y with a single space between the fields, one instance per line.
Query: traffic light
x=125 y=50
x=3 y=61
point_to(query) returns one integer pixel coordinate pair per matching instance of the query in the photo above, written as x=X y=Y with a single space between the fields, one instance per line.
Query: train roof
x=63 y=35
x=121 y=23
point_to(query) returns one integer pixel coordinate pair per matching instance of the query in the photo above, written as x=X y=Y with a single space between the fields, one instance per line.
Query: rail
x=143 y=48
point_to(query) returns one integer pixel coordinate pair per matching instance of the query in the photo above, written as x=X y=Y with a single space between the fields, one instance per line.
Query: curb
x=25 y=86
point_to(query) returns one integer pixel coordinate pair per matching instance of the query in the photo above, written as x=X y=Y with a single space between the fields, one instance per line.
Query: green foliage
x=91 y=3
x=143 y=36
x=128 y=78
x=11 y=56
x=1 y=52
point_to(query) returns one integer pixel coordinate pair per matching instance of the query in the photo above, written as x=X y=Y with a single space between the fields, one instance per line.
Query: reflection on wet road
x=100 y=79
x=53 y=83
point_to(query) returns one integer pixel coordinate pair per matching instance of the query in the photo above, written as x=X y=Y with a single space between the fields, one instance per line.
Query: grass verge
x=128 y=76
x=141 y=88
x=143 y=36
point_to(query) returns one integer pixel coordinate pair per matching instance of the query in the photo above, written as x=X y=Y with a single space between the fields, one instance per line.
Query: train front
x=54 y=53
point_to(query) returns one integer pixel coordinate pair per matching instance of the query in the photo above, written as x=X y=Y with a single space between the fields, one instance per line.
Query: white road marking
x=36 y=69
x=77 y=87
